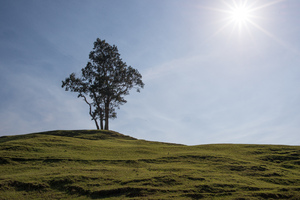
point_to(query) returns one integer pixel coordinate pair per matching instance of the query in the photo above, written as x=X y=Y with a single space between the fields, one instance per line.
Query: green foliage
x=90 y=164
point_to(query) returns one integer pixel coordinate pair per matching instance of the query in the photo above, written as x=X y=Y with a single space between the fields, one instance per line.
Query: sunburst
x=239 y=14
x=242 y=15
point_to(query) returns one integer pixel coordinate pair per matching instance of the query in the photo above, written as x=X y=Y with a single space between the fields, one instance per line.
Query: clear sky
x=214 y=71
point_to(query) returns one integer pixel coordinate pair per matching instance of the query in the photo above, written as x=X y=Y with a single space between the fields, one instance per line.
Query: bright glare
x=244 y=16
x=240 y=14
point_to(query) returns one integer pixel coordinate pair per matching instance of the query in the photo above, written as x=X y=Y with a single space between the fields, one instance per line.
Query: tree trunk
x=101 y=121
x=97 y=125
x=100 y=110
x=106 y=114
x=91 y=114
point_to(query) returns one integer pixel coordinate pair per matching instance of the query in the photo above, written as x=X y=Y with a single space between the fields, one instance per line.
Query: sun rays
x=242 y=17
x=244 y=20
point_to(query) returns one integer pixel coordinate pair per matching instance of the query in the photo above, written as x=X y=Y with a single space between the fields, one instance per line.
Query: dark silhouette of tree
x=104 y=82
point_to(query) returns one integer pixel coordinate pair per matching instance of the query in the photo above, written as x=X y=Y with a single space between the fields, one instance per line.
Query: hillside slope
x=108 y=165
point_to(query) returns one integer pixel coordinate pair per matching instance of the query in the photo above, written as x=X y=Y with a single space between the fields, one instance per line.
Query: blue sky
x=207 y=79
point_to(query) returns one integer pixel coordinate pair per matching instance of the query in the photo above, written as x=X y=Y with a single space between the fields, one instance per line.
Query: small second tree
x=104 y=82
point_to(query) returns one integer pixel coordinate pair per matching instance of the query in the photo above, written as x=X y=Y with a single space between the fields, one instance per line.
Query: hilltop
x=90 y=164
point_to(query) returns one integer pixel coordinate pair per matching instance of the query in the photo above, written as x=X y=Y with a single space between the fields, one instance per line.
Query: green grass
x=108 y=165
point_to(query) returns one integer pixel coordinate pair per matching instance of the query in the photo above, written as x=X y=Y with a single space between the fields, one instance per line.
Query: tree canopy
x=104 y=82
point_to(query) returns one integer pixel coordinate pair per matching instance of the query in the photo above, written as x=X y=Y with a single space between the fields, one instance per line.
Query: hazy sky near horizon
x=207 y=78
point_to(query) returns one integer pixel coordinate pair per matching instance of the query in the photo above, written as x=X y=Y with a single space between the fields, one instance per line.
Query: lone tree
x=104 y=82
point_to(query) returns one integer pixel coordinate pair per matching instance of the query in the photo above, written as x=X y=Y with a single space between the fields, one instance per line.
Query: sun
x=240 y=14
x=243 y=18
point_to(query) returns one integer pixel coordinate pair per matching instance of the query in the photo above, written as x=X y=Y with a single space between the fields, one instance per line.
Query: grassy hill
x=108 y=165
